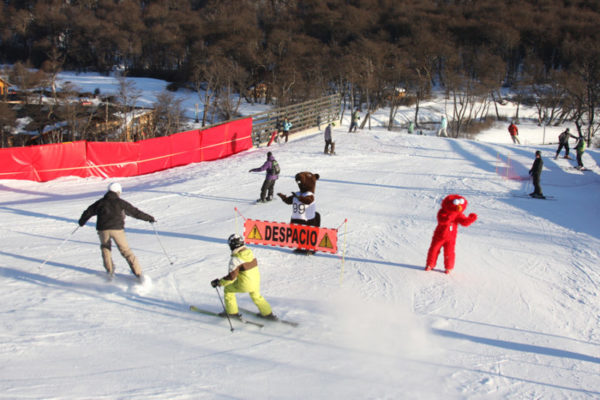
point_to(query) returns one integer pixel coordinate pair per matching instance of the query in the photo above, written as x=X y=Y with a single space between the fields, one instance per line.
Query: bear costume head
x=307 y=181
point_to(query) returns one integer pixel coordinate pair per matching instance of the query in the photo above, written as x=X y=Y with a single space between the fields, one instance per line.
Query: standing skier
x=536 y=172
x=514 y=133
x=563 y=141
x=243 y=277
x=443 y=127
x=287 y=125
x=110 y=224
x=580 y=147
x=272 y=168
x=354 y=118
x=329 y=143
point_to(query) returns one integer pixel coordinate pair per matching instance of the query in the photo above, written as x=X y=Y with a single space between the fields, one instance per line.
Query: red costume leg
x=449 y=255
x=433 y=253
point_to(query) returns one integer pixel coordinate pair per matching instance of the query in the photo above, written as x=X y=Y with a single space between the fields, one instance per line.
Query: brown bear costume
x=303 y=202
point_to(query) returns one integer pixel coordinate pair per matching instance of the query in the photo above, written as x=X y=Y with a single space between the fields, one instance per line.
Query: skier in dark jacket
x=329 y=143
x=535 y=172
x=110 y=224
x=563 y=141
x=268 y=186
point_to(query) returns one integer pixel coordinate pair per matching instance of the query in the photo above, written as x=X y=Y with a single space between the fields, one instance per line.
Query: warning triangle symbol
x=255 y=234
x=326 y=242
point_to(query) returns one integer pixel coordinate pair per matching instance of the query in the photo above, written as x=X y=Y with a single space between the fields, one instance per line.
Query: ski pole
x=224 y=310
x=161 y=245
x=58 y=248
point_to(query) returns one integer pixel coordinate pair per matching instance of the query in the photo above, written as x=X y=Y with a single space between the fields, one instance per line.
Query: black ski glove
x=214 y=283
x=151 y=219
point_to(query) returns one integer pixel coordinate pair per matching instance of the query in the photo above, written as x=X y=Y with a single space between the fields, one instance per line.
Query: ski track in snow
x=517 y=318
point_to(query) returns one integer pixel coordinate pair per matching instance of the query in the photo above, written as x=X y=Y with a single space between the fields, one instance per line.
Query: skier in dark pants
x=535 y=172
x=354 y=118
x=272 y=168
x=563 y=141
x=329 y=143
x=580 y=147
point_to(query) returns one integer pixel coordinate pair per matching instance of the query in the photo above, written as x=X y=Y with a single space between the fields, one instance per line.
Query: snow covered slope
x=518 y=318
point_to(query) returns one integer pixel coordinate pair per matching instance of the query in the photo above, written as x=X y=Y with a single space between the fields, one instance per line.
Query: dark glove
x=151 y=219
x=214 y=283
x=81 y=222
x=530 y=172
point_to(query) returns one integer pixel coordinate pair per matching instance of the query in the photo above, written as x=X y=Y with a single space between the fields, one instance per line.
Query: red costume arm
x=466 y=220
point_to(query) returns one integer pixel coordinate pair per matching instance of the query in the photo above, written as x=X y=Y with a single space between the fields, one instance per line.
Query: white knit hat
x=115 y=187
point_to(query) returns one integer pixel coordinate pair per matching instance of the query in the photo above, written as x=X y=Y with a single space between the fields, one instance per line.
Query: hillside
x=518 y=317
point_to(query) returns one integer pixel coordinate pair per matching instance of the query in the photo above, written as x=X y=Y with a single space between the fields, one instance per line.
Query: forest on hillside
x=545 y=51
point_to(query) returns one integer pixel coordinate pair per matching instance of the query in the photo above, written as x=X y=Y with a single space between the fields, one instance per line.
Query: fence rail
x=303 y=116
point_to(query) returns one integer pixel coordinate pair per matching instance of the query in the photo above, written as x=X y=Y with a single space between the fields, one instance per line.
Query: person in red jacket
x=514 y=133
x=449 y=216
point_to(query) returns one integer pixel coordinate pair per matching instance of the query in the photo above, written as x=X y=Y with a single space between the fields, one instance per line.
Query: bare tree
x=7 y=123
x=27 y=79
x=128 y=96
x=168 y=115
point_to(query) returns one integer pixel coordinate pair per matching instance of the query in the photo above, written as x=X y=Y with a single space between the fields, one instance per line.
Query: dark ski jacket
x=564 y=137
x=111 y=211
x=536 y=168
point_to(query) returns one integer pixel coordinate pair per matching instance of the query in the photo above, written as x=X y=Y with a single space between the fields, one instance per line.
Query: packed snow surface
x=518 y=317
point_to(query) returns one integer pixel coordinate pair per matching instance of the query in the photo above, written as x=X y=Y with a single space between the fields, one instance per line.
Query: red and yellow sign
x=290 y=235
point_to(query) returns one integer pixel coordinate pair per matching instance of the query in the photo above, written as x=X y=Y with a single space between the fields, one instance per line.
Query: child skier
x=243 y=277
x=580 y=147
x=536 y=172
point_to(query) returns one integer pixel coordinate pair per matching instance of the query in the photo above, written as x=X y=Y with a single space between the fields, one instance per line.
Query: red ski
x=273 y=135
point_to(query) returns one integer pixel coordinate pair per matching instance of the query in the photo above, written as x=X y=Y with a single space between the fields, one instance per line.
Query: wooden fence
x=303 y=116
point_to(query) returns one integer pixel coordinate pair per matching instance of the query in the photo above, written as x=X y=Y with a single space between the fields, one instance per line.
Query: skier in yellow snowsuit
x=243 y=277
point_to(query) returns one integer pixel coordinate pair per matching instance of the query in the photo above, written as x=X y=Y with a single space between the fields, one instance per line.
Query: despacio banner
x=290 y=235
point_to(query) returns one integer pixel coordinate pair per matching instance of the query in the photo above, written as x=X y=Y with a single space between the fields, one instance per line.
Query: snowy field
x=518 y=318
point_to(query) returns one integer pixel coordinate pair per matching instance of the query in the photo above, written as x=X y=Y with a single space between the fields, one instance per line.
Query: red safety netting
x=119 y=159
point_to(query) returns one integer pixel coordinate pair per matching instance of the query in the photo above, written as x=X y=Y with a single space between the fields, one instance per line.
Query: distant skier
x=580 y=147
x=354 y=118
x=411 y=127
x=514 y=133
x=110 y=224
x=563 y=141
x=443 y=131
x=329 y=143
x=243 y=277
x=268 y=186
x=287 y=125
x=536 y=172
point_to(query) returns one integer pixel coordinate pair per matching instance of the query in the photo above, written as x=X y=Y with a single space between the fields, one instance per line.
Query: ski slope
x=518 y=318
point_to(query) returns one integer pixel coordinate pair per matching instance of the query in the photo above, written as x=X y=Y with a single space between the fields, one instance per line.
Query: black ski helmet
x=234 y=241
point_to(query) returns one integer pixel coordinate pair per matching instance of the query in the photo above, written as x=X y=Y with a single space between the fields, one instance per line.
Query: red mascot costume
x=449 y=216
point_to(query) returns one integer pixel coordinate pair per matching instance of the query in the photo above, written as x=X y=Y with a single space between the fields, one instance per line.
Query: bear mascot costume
x=449 y=216
x=303 y=202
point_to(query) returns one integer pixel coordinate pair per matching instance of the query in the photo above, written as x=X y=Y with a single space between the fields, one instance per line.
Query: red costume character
x=449 y=216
